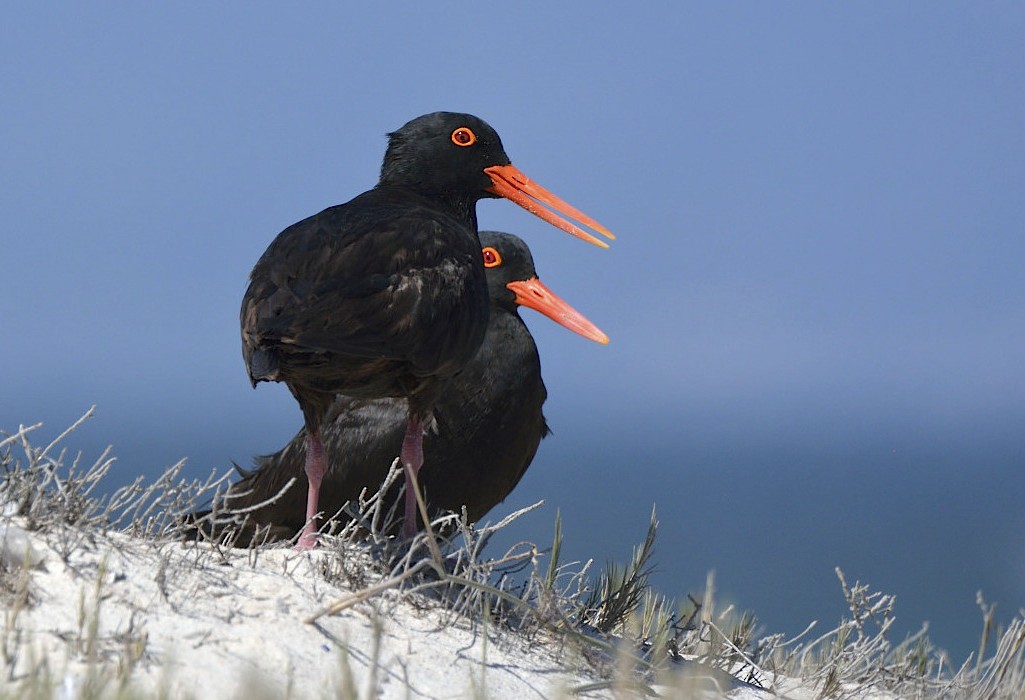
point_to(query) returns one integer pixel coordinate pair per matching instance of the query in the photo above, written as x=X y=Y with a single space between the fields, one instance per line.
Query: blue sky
x=815 y=299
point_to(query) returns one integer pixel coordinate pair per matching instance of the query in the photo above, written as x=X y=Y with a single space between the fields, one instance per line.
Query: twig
x=350 y=600
x=86 y=416
x=22 y=430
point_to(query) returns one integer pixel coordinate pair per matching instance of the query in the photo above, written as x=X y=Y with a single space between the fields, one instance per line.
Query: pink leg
x=316 y=467
x=412 y=459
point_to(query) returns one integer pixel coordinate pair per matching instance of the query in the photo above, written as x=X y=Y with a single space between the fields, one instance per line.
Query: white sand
x=186 y=620
x=227 y=627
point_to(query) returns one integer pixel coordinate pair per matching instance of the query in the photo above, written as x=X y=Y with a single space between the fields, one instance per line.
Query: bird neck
x=508 y=345
x=460 y=206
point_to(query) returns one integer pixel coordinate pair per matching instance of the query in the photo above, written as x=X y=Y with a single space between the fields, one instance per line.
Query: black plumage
x=385 y=296
x=489 y=419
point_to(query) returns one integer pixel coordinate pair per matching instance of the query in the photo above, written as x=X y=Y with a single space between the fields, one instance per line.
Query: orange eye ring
x=464 y=136
x=492 y=258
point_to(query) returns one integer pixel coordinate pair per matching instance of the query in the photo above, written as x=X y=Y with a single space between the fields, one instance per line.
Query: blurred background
x=816 y=299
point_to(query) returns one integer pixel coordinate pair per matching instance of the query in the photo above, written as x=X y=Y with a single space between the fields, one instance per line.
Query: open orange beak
x=531 y=293
x=512 y=184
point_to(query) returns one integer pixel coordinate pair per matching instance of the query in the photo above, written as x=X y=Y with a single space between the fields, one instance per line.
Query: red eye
x=491 y=257
x=463 y=136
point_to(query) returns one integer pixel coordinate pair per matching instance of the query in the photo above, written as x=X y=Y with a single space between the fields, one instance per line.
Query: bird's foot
x=307 y=540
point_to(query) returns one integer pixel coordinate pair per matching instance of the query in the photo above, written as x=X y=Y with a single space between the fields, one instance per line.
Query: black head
x=512 y=282
x=506 y=259
x=443 y=153
x=459 y=159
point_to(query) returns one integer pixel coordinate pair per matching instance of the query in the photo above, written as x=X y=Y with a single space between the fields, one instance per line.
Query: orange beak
x=512 y=184
x=531 y=293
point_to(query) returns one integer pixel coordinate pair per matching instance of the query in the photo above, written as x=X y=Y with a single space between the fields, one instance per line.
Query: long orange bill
x=509 y=182
x=531 y=293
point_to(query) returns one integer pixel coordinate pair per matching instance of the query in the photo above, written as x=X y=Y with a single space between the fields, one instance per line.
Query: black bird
x=385 y=296
x=488 y=419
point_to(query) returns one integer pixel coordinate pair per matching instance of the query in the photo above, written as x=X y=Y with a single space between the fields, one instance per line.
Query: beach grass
x=596 y=633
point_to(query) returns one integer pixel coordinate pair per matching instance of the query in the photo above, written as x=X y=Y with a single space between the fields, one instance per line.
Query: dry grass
x=636 y=641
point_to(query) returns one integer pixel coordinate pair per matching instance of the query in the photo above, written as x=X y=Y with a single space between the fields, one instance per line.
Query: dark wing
x=372 y=278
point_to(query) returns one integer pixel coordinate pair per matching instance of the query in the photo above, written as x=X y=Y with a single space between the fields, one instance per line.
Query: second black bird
x=488 y=420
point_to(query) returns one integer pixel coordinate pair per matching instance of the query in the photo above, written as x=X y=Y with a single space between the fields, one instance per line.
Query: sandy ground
x=207 y=625
x=186 y=620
